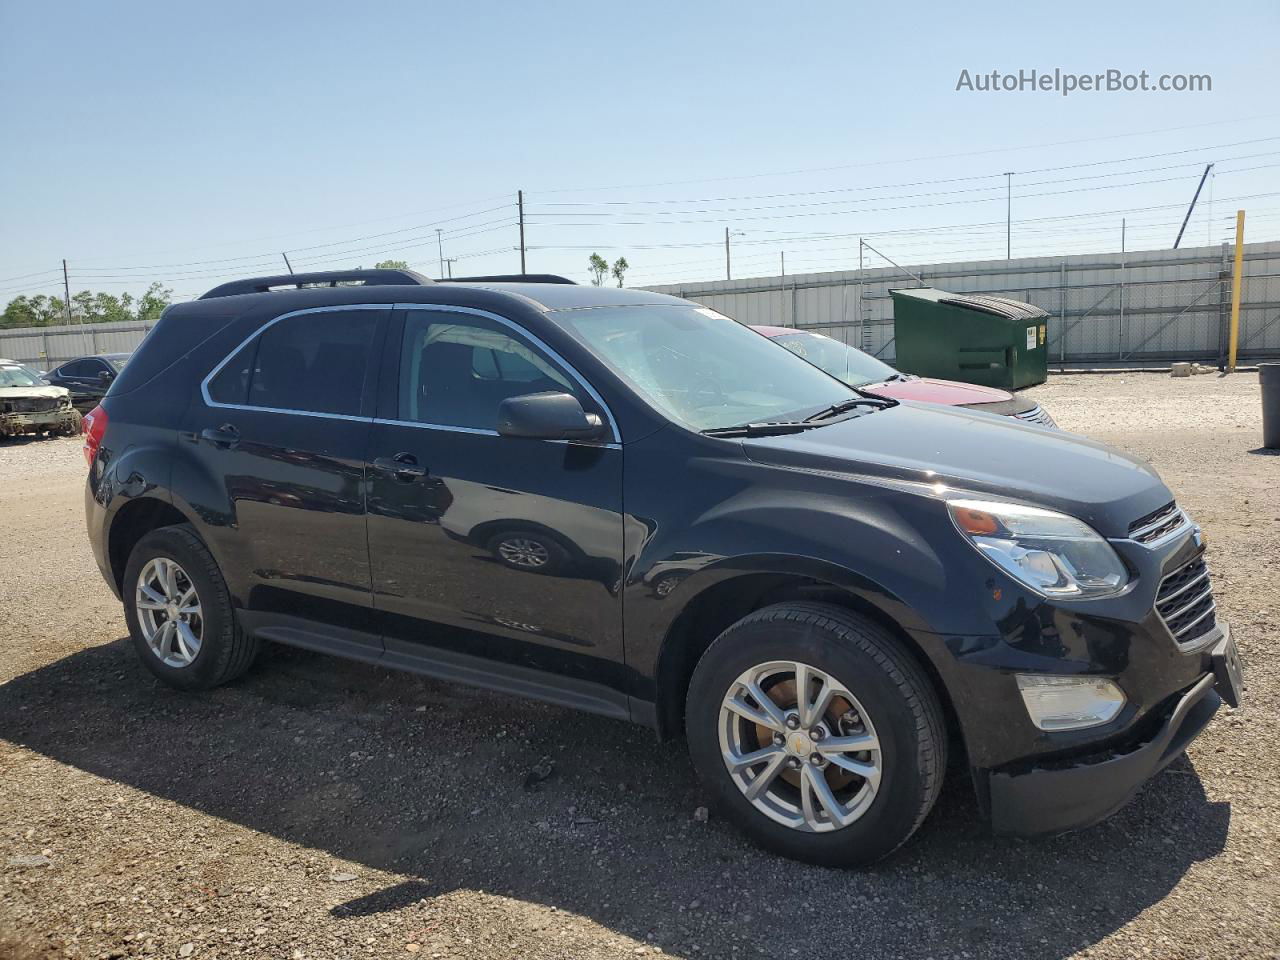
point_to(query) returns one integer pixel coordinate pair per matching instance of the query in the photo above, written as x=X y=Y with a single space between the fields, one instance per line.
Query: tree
x=86 y=307
x=391 y=265
x=599 y=267
x=620 y=267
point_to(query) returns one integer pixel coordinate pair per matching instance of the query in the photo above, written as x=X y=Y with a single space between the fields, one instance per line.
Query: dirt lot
x=323 y=809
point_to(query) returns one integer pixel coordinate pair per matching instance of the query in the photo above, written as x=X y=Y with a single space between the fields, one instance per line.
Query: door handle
x=403 y=466
x=224 y=437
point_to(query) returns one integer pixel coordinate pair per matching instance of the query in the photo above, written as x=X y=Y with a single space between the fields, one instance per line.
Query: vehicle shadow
x=457 y=789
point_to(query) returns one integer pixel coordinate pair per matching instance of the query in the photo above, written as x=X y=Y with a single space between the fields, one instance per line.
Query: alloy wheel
x=799 y=746
x=524 y=552
x=169 y=612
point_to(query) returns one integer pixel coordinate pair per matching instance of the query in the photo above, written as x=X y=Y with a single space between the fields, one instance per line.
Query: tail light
x=93 y=426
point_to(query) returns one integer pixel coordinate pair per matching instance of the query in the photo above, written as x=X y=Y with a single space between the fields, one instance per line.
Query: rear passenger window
x=455 y=370
x=76 y=368
x=313 y=362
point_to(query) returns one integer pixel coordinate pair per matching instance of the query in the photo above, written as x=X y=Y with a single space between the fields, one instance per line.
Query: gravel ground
x=324 y=809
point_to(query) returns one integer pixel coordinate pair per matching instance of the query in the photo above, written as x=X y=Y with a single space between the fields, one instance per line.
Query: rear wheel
x=817 y=733
x=179 y=612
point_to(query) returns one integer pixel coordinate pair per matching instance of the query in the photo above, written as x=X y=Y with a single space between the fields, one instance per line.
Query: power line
x=945 y=180
x=938 y=156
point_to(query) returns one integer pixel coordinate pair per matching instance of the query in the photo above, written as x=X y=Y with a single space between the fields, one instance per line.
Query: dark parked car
x=87 y=378
x=826 y=593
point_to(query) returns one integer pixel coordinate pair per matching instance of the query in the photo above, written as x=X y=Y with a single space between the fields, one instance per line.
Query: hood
x=15 y=393
x=952 y=393
x=948 y=450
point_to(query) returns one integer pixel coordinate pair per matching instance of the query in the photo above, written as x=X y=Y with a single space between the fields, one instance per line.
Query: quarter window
x=312 y=362
x=76 y=368
x=456 y=369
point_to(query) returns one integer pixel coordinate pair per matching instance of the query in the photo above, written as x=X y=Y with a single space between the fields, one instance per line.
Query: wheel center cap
x=801 y=745
x=171 y=611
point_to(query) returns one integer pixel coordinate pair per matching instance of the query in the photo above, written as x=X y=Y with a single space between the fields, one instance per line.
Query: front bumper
x=12 y=424
x=1069 y=794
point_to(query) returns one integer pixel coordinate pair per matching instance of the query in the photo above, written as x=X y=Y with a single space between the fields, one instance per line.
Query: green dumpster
x=975 y=338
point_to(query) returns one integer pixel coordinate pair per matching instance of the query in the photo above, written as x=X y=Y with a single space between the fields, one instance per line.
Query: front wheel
x=817 y=733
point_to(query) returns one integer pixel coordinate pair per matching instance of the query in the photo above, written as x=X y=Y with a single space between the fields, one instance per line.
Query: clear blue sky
x=146 y=140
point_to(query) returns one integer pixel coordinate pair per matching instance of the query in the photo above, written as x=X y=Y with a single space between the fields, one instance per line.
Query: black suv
x=630 y=504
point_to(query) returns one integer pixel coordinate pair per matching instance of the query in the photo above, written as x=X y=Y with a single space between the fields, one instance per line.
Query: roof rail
x=369 y=278
x=511 y=278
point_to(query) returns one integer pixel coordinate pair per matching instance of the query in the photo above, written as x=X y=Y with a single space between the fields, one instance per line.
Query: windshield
x=848 y=363
x=699 y=367
x=117 y=360
x=19 y=377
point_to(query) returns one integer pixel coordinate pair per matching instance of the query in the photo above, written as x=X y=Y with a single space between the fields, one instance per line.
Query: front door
x=501 y=547
x=281 y=437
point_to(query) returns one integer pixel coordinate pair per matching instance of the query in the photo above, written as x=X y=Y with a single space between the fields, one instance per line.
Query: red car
x=873 y=376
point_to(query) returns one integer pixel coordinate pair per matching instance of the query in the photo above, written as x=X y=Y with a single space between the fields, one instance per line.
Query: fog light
x=1069 y=703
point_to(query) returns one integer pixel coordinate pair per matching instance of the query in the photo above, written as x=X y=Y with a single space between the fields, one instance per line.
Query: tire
x=890 y=700
x=73 y=424
x=224 y=651
x=529 y=551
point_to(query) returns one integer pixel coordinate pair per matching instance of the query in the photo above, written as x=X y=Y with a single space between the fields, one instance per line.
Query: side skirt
x=435 y=662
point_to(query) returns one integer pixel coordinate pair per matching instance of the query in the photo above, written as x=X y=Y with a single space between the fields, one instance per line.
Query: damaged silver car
x=29 y=405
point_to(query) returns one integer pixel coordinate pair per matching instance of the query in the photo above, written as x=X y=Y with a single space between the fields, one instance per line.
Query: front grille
x=33 y=405
x=1036 y=415
x=1185 y=602
x=1157 y=524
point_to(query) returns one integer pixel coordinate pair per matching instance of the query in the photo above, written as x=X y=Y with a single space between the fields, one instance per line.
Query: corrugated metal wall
x=46 y=347
x=1143 y=307
x=1148 y=306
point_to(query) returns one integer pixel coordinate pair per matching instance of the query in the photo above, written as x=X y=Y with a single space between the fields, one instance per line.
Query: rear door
x=501 y=547
x=282 y=432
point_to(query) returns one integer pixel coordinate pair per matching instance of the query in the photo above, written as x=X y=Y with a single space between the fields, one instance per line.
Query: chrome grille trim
x=1190 y=622
x=1187 y=586
x=1037 y=415
x=1158 y=526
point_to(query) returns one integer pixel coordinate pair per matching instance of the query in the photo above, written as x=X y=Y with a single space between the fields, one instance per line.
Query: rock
x=32 y=860
x=540 y=773
x=342 y=877
x=1180 y=370
x=701 y=815
x=186 y=949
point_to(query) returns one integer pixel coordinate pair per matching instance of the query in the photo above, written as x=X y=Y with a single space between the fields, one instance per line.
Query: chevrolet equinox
x=630 y=504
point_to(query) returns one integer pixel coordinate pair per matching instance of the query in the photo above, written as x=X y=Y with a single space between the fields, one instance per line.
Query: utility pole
x=286 y=262
x=449 y=262
x=1008 y=215
x=1204 y=176
x=520 y=205
x=1233 y=335
x=1123 y=222
x=440 y=249
x=67 y=292
x=783 y=255
x=728 y=273
x=66 y=289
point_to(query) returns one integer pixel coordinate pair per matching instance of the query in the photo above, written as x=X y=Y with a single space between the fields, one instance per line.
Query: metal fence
x=1149 y=307
x=47 y=347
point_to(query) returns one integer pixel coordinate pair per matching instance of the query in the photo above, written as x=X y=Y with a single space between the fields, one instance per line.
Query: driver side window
x=455 y=369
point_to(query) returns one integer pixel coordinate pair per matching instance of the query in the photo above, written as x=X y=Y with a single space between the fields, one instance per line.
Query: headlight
x=1053 y=554
x=1069 y=703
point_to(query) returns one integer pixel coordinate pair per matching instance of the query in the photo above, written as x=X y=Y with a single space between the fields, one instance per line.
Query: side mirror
x=548 y=416
x=106 y=376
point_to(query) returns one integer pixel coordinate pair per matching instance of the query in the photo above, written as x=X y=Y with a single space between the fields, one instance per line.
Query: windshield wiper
x=844 y=406
x=766 y=429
